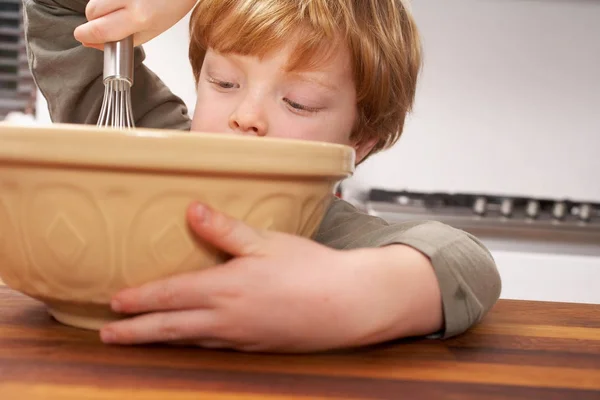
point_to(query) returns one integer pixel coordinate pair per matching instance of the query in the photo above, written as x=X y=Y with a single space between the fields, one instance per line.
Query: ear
x=363 y=149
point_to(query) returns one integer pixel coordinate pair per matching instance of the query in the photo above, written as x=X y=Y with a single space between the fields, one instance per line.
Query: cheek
x=343 y=127
x=335 y=127
x=330 y=128
x=210 y=115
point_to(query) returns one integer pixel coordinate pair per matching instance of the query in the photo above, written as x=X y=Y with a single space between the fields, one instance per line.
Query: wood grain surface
x=522 y=350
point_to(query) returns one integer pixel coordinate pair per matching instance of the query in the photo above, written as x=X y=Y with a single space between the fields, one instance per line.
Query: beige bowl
x=85 y=212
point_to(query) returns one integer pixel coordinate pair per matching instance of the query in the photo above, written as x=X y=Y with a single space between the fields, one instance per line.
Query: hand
x=279 y=293
x=113 y=20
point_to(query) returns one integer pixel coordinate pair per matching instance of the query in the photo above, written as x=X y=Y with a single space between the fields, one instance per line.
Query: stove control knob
x=559 y=211
x=480 y=206
x=404 y=200
x=506 y=207
x=533 y=209
x=585 y=212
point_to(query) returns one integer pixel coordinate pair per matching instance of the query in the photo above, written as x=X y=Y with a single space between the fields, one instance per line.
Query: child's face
x=251 y=96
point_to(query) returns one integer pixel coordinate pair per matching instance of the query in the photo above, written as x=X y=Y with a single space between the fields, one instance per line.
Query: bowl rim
x=164 y=150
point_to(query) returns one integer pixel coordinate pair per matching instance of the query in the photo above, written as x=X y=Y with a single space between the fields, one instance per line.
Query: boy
x=341 y=71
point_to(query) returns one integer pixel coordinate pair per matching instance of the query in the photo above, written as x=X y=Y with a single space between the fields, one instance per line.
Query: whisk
x=116 y=109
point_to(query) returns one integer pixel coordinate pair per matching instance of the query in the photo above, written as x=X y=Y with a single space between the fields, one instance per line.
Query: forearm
x=405 y=286
x=465 y=271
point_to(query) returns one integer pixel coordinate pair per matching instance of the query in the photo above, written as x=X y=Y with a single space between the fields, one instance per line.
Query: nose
x=249 y=119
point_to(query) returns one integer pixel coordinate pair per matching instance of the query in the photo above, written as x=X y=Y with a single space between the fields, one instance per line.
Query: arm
x=466 y=280
x=407 y=292
x=69 y=75
x=283 y=293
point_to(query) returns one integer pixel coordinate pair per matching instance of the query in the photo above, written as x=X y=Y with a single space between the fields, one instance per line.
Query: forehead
x=295 y=57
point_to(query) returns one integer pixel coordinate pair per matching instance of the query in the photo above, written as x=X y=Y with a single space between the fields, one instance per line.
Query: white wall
x=509 y=101
x=549 y=277
x=167 y=56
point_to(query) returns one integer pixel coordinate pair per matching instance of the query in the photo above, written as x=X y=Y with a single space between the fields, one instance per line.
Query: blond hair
x=381 y=36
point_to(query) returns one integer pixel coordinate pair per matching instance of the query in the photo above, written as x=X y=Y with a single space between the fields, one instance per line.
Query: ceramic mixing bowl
x=85 y=212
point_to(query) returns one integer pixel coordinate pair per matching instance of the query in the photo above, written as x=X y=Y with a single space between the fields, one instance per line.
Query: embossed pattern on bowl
x=72 y=234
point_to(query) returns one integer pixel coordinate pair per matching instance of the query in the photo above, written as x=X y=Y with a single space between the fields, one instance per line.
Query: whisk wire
x=129 y=112
x=103 y=110
x=121 y=112
x=116 y=111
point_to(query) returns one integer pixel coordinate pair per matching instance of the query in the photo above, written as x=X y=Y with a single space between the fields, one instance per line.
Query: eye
x=223 y=84
x=300 y=107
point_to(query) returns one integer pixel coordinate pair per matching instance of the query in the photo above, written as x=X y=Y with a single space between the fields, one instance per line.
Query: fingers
x=99 y=8
x=180 y=292
x=110 y=28
x=174 y=326
x=94 y=46
x=228 y=234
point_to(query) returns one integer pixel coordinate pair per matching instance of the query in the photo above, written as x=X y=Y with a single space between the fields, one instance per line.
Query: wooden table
x=523 y=350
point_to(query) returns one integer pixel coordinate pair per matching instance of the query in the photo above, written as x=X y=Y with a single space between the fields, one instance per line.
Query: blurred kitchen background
x=504 y=140
x=17 y=88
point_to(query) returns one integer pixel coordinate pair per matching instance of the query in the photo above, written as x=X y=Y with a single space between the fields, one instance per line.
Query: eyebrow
x=312 y=79
x=298 y=75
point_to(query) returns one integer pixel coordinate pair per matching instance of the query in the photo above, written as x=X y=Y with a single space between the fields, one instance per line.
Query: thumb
x=109 y=28
x=226 y=233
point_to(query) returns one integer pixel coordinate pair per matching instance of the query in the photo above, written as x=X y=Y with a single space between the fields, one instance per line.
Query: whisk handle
x=118 y=60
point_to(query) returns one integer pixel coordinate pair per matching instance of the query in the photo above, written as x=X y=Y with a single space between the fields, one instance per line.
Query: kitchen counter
x=522 y=350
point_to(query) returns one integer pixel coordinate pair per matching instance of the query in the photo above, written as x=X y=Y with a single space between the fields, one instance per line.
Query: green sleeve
x=69 y=75
x=466 y=272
